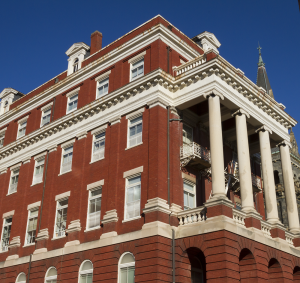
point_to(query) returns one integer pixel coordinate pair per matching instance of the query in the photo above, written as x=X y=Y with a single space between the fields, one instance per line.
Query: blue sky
x=34 y=36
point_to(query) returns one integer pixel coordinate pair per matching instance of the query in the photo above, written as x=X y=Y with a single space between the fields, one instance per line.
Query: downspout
x=29 y=268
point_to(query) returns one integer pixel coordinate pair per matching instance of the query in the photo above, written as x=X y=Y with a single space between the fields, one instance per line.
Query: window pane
x=135 y=120
x=191 y=201
x=188 y=187
x=63 y=203
x=96 y=192
x=127 y=258
x=86 y=266
x=123 y=275
x=134 y=180
x=185 y=197
x=51 y=272
x=130 y=277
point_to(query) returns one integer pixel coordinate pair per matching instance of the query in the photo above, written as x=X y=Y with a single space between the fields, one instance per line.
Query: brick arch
x=244 y=243
x=296 y=274
x=248 y=267
x=273 y=253
x=192 y=242
x=275 y=272
x=125 y=247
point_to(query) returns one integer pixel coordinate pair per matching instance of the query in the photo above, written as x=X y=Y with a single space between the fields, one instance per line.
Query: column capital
x=284 y=143
x=213 y=92
x=241 y=112
x=263 y=128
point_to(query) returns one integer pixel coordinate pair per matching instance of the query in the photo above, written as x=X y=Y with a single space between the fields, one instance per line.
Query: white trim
x=73 y=92
x=15 y=167
x=68 y=143
x=99 y=130
x=2 y=132
x=47 y=107
x=36 y=208
x=95 y=185
x=89 y=271
x=48 y=278
x=19 y=276
x=8 y=214
x=34 y=205
x=23 y=119
x=188 y=178
x=137 y=57
x=103 y=76
x=135 y=114
x=62 y=196
x=124 y=265
x=40 y=156
x=133 y=172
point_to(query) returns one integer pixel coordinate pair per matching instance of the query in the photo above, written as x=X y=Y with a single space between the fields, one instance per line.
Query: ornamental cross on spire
x=260 y=60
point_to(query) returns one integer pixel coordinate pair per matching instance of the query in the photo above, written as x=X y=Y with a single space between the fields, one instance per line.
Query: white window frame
x=3 y=225
x=76 y=65
x=137 y=59
x=89 y=271
x=39 y=161
x=69 y=96
x=50 y=278
x=2 y=136
x=21 y=126
x=97 y=186
x=124 y=265
x=19 y=276
x=127 y=186
x=130 y=118
x=44 y=109
x=13 y=174
x=65 y=147
x=190 y=192
x=57 y=209
x=29 y=218
x=183 y=131
x=95 y=133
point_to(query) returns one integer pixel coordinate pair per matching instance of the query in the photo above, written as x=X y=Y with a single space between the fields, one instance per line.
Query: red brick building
x=124 y=168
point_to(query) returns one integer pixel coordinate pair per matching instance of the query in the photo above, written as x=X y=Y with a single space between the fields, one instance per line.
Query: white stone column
x=244 y=160
x=268 y=175
x=216 y=144
x=289 y=187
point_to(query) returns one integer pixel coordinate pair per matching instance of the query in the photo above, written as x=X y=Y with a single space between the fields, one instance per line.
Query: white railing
x=190 y=216
x=189 y=65
x=193 y=149
x=239 y=217
x=256 y=181
x=289 y=238
x=266 y=228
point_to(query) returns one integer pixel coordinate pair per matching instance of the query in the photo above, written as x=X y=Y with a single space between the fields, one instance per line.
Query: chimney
x=96 y=42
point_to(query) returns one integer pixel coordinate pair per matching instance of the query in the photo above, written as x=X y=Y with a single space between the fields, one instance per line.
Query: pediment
x=76 y=47
x=8 y=91
x=211 y=37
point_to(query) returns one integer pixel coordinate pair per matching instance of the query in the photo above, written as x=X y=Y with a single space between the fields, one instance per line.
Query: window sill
x=28 y=245
x=11 y=193
x=135 y=78
x=64 y=172
x=133 y=146
x=96 y=160
x=71 y=111
x=130 y=219
x=92 y=229
x=36 y=184
x=57 y=238
x=2 y=252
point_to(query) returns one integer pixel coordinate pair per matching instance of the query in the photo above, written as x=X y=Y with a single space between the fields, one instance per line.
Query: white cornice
x=76 y=47
x=8 y=91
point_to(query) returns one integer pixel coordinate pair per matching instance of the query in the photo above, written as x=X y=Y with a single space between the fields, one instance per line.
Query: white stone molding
x=63 y=196
x=73 y=92
x=209 y=41
x=241 y=112
x=15 y=242
x=156 y=204
x=135 y=114
x=52 y=148
x=284 y=143
x=95 y=185
x=110 y=216
x=26 y=160
x=23 y=119
x=108 y=235
x=137 y=58
x=12 y=257
x=40 y=156
x=2 y=131
x=281 y=106
x=74 y=226
x=34 y=205
x=175 y=208
x=8 y=214
x=42 y=235
x=133 y=172
x=99 y=130
x=103 y=76
x=213 y=92
x=47 y=107
x=72 y=243
x=68 y=143
x=173 y=110
x=158 y=101
x=188 y=178
x=15 y=167
x=3 y=171
x=115 y=120
x=81 y=135
x=263 y=128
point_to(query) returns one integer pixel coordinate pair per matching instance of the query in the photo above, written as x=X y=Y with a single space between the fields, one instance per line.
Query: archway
x=296 y=274
x=248 y=272
x=197 y=264
x=275 y=271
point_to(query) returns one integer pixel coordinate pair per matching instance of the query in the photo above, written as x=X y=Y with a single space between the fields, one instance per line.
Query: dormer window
x=75 y=65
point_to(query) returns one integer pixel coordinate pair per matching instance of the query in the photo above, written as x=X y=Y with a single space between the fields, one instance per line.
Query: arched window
x=126 y=268
x=51 y=275
x=276 y=177
x=86 y=272
x=21 y=278
x=75 y=65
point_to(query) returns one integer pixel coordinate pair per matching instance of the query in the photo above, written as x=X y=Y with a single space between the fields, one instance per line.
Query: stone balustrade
x=289 y=238
x=239 y=217
x=189 y=65
x=190 y=216
x=266 y=228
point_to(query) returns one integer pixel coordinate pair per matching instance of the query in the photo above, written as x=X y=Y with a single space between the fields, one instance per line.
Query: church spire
x=262 y=77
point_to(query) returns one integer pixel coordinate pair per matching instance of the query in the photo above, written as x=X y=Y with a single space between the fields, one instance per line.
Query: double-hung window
x=135 y=131
x=133 y=197
x=67 y=156
x=98 y=146
x=46 y=114
x=94 y=208
x=31 y=226
x=61 y=218
x=102 y=88
x=2 y=136
x=189 y=194
x=38 y=171
x=22 y=127
x=14 y=178
x=137 y=69
x=72 y=103
x=7 y=222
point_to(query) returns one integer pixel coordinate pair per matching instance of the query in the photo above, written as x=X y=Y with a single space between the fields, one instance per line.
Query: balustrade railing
x=266 y=228
x=239 y=217
x=289 y=238
x=189 y=65
x=190 y=216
